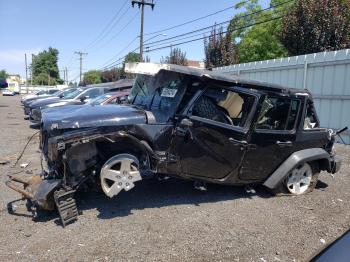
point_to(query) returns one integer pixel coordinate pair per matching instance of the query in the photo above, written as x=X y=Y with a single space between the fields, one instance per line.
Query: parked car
x=80 y=97
x=111 y=98
x=45 y=99
x=187 y=123
x=119 y=97
x=39 y=93
x=7 y=92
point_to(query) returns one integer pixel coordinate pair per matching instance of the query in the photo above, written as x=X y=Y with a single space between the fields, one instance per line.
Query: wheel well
x=321 y=164
x=107 y=149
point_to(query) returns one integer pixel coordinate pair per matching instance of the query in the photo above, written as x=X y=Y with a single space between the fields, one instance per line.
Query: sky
x=77 y=25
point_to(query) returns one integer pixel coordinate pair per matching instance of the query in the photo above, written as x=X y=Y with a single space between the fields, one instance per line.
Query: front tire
x=301 y=180
x=118 y=173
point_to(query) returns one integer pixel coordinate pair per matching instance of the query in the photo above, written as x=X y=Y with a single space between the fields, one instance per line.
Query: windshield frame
x=148 y=91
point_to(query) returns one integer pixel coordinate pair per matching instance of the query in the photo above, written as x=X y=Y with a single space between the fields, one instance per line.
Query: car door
x=210 y=140
x=273 y=137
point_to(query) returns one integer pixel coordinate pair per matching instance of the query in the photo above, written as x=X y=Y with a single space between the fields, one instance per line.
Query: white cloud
x=12 y=60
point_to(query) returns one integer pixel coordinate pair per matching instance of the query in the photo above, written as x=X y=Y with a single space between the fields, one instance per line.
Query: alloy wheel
x=119 y=172
x=299 y=180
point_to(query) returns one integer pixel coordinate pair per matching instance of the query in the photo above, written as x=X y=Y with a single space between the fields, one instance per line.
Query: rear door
x=211 y=142
x=273 y=138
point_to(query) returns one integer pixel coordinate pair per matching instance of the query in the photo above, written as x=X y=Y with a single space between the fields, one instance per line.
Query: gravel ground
x=169 y=220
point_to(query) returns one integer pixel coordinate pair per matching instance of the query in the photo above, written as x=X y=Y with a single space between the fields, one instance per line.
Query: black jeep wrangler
x=189 y=123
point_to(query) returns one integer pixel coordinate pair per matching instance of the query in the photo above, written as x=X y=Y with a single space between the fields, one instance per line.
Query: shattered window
x=161 y=92
x=224 y=106
x=278 y=113
x=311 y=120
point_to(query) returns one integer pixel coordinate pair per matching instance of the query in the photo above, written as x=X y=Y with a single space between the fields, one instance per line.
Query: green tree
x=45 y=68
x=176 y=57
x=3 y=74
x=92 y=77
x=315 y=26
x=112 y=75
x=132 y=57
x=257 y=34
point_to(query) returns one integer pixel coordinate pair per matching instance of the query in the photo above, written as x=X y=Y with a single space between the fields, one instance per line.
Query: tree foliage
x=45 y=68
x=256 y=33
x=132 y=57
x=176 y=57
x=219 y=49
x=3 y=74
x=112 y=75
x=316 y=26
x=92 y=77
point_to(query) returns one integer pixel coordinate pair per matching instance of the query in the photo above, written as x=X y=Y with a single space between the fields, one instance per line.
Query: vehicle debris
x=24 y=165
x=188 y=123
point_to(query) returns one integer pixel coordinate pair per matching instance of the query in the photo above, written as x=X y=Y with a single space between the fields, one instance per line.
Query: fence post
x=305 y=75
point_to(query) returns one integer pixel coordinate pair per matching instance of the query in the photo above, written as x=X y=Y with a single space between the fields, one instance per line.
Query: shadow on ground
x=152 y=193
x=155 y=194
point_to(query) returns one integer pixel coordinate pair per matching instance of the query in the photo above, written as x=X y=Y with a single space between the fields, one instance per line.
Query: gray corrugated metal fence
x=326 y=75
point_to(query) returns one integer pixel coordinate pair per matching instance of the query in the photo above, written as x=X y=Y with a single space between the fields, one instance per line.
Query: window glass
x=100 y=99
x=311 y=120
x=42 y=92
x=52 y=91
x=278 y=113
x=92 y=93
x=224 y=106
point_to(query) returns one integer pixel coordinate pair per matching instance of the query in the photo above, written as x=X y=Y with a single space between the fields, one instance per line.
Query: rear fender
x=298 y=158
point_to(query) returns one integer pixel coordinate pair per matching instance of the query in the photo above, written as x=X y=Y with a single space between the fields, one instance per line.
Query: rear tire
x=301 y=180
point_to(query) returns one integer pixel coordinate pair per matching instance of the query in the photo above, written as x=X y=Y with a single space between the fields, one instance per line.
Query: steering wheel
x=223 y=117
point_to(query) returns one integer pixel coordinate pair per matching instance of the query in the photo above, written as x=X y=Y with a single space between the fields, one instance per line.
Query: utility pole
x=31 y=71
x=66 y=71
x=81 y=54
x=25 y=60
x=141 y=4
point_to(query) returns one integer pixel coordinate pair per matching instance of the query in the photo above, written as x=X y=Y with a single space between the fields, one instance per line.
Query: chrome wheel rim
x=119 y=172
x=299 y=180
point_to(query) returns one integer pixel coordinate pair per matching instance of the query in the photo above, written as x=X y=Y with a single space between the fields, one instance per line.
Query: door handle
x=284 y=143
x=238 y=142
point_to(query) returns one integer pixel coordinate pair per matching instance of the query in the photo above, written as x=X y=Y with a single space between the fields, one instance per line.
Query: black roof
x=216 y=75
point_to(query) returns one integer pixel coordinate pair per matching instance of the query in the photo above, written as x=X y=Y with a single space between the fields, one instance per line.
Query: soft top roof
x=154 y=68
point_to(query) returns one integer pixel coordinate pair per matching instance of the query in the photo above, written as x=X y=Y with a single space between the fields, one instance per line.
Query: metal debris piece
x=66 y=206
x=24 y=165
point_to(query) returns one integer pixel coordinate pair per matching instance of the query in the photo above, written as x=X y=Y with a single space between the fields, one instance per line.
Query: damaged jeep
x=187 y=123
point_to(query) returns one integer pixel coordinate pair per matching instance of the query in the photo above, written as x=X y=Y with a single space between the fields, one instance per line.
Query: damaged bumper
x=39 y=191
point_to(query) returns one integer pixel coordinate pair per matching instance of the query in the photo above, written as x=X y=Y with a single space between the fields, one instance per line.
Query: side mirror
x=186 y=122
x=61 y=96
x=83 y=98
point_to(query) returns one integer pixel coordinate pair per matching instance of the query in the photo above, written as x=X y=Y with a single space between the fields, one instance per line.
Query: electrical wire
x=159 y=42
x=108 y=26
x=201 y=38
x=121 y=30
x=192 y=21
x=222 y=23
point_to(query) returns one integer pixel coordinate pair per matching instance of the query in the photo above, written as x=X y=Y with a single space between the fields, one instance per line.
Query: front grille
x=27 y=110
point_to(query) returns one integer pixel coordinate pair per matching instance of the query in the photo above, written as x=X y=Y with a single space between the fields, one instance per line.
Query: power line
x=120 y=31
x=201 y=38
x=115 y=63
x=221 y=23
x=116 y=56
x=192 y=21
x=108 y=26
